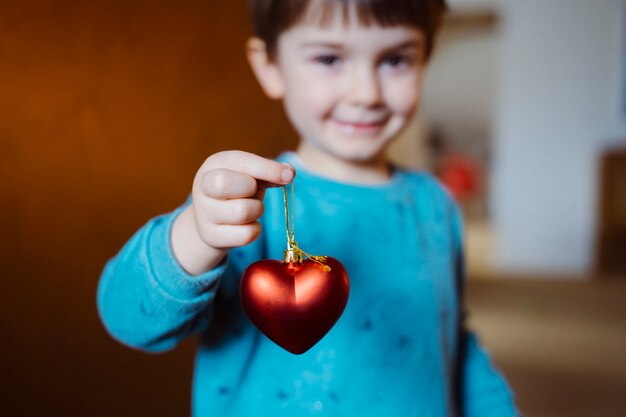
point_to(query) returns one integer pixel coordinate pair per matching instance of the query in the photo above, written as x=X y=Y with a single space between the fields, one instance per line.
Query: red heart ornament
x=294 y=304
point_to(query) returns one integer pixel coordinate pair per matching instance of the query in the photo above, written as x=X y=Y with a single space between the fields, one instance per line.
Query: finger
x=264 y=185
x=224 y=184
x=229 y=236
x=272 y=172
x=235 y=212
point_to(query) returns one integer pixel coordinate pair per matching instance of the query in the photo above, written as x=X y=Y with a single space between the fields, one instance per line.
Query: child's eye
x=327 y=60
x=396 y=60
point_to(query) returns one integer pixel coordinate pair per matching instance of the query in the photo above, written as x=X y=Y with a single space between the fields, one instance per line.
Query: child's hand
x=227 y=199
x=228 y=196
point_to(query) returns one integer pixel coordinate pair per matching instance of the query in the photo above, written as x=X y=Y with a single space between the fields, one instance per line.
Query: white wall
x=559 y=104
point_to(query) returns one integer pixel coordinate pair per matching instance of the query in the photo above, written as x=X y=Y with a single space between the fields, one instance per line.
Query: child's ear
x=266 y=71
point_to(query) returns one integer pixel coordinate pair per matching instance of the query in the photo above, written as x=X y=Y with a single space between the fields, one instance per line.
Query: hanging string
x=290 y=235
x=293 y=210
x=293 y=250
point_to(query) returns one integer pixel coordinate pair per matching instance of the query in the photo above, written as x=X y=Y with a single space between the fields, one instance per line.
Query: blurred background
x=107 y=109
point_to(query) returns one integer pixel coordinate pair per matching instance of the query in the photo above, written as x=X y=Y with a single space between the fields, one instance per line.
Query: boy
x=348 y=73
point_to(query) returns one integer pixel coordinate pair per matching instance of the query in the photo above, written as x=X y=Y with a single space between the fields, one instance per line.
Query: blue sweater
x=399 y=349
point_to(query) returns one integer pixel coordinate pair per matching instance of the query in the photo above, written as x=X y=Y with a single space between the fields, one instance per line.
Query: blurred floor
x=562 y=345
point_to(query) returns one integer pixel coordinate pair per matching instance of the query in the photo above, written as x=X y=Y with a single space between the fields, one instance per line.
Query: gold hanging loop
x=293 y=252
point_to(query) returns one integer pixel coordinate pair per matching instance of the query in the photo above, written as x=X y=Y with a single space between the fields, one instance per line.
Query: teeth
x=376 y=123
x=379 y=120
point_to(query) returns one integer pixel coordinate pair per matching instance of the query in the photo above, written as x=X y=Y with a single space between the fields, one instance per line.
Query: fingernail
x=288 y=173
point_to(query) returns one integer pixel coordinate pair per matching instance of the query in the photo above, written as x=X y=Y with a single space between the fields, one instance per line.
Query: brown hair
x=272 y=17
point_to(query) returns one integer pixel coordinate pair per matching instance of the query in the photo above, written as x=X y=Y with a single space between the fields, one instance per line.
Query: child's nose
x=364 y=88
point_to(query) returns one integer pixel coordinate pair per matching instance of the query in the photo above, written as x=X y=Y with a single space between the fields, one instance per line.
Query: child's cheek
x=403 y=98
x=315 y=98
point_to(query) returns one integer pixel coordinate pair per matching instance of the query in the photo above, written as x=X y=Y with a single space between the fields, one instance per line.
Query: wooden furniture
x=611 y=242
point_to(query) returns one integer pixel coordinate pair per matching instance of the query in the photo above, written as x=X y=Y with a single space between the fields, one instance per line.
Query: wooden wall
x=107 y=109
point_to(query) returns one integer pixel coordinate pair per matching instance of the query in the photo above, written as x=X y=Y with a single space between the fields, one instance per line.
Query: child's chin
x=361 y=156
x=365 y=150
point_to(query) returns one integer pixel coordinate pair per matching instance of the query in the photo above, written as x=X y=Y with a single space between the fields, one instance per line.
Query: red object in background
x=460 y=175
x=294 y=304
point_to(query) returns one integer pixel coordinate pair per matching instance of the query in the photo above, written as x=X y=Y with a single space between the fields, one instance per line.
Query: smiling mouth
x=359 y=126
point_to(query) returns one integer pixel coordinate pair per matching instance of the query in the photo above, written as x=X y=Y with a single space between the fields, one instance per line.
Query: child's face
x=349 y=89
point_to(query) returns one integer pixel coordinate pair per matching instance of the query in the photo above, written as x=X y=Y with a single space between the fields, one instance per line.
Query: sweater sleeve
x=484 y=391
x=146 y=300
